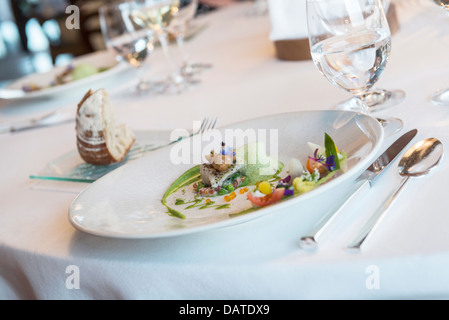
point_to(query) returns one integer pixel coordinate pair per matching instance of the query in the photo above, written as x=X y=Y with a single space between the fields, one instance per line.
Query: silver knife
x=363 y=183
x=52 y=118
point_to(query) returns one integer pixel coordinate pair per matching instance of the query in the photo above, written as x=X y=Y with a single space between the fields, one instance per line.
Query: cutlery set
x=418 y=160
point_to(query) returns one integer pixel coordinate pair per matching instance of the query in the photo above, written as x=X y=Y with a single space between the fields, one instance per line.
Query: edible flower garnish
x=331 y=150
x=226 y=151
x=313 y=177
x=330 y=163
x=286 y=180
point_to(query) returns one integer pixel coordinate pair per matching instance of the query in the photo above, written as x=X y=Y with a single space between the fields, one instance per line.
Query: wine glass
x=350 y=43
x=441 y=97
x=178 y=28
x=129 y=41
x=378 y=99
x=157 y=15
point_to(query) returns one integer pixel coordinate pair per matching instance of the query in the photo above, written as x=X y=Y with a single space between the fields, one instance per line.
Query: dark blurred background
x=34 y=37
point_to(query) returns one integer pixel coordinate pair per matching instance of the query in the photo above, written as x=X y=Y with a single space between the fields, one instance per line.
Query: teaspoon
x=417 y=161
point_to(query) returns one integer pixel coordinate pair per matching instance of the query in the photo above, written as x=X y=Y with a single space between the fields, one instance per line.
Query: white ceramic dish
x=126 y=203
x=100 y=59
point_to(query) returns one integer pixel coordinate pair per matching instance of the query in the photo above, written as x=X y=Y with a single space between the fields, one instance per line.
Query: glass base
x=441 y=97
x=377 y=100
x=189 y=70
x=177 y=84
x=391 y=126
x=146 y=88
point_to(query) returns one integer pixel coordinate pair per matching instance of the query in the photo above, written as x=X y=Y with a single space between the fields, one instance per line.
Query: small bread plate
x=158 y=195
x=83 y=71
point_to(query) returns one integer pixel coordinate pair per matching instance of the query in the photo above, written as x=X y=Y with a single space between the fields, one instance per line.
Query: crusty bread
x=99 y=140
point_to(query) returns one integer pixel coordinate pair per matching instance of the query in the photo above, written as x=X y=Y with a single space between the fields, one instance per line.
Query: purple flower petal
x=330 y=163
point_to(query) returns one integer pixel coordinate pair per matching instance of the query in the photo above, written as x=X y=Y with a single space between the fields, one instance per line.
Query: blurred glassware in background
x=259 y=8
x=378 y=99
x=350 y=45
x=178 y=28
x=441 y=97
x=157 y=15
x=130 y=41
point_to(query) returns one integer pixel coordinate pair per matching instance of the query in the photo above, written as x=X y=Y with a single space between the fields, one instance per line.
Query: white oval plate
x=99 y=59
x=126 y=203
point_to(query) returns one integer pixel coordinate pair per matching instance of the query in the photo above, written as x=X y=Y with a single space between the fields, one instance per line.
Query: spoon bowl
x=417 y=161
x=421 y=158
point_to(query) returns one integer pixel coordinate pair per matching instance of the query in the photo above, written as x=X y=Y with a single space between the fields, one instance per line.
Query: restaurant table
x=406 y=258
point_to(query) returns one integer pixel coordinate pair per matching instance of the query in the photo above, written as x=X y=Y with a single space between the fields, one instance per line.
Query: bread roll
x=99 y=140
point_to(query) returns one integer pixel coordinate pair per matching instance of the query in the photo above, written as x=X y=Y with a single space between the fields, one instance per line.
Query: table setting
x=127 y=174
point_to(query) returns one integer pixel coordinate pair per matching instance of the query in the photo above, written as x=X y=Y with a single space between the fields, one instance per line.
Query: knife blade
x=363 y=183
x=52 y=118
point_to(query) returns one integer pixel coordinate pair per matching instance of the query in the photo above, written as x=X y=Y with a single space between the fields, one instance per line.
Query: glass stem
x=142 y=85
x=164 y=44
x=362 y=97
x=180 y=43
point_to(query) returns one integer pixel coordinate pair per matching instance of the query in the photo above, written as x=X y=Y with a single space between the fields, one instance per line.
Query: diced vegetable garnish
x=242 y=191
x=295 y=168
x=302 y=186
x=273 y=197
x=313 y=165
x=230 y=197
x=265 y=187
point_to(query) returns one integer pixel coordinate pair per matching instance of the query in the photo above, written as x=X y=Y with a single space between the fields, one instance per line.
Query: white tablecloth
x=409 y=253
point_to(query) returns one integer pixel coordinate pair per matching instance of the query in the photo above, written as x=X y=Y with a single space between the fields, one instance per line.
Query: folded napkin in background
x=289 y=32
x=288 y=19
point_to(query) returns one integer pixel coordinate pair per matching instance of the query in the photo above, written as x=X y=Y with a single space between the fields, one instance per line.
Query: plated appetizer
x=244 y=179
x=71 y=73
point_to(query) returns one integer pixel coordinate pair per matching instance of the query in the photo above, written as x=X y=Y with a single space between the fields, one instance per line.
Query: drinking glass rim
x=115 y=4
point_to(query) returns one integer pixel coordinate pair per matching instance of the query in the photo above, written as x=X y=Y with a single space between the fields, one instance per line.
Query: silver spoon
x=417 y=161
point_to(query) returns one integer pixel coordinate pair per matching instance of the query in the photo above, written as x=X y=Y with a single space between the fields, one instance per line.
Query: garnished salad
x=250 y=179
x=319 y=168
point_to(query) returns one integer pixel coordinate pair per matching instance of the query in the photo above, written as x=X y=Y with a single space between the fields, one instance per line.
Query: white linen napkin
x=288 y=19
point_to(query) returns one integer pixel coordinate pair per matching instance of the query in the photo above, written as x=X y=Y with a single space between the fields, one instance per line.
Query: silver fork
x=207 y=124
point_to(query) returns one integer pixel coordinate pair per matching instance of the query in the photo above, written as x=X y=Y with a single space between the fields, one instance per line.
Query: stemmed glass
x=178 y=28
x=128 y=40
x=350 y=44
x=258 y=8
x=441 y=97
x=378 y=99
x=157 y=15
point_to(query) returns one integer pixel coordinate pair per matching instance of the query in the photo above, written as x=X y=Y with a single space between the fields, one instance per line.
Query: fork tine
x=208 y=123
x=203 y=122
x=214 y=123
